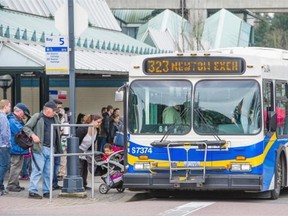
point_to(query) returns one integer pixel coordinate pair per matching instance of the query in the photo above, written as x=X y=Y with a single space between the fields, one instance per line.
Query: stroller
x=111 y=169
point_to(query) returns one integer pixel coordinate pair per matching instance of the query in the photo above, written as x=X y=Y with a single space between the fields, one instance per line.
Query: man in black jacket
x=104 y=131
x=39 y=129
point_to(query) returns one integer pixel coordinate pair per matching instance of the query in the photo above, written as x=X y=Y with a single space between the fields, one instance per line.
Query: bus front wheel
x=275 y=193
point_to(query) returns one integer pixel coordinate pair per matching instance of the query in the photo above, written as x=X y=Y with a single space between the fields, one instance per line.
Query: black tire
x=120 y=190
x=275 y=193
x=103 y=189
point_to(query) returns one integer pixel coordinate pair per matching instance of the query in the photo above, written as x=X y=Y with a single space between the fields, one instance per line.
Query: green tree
x=280 y=21
x=262 y=26
x=272 y=31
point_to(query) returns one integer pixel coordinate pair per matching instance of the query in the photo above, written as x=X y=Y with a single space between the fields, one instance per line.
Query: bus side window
x=281 y=107
x=285 y=123
x=268 y=105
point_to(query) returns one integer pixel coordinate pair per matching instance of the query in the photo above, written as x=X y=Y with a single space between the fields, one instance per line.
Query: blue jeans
x=25 y=167
x=57 y=163
x=101 y=142
x=4 y=164
x=43 y=161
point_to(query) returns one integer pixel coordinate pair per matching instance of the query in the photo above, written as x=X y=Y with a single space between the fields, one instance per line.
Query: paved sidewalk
x=18 y=201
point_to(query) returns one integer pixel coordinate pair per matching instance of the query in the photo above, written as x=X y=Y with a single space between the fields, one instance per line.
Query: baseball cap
x=24 y=108
x=56 y=101
x=51 y=104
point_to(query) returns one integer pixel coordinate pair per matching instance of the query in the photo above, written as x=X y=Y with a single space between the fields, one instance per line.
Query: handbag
x=119 y=139
x=23 y=140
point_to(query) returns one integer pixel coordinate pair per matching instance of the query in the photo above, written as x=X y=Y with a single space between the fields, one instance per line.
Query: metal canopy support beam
x=20 y=70
x=43 y=90
x=16 y=89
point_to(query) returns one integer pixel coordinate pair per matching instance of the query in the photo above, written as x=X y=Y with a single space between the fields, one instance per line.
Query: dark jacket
x=81 y=133
x=16 y=125
x=112 y=131
x=105 y=125
x=35 y=125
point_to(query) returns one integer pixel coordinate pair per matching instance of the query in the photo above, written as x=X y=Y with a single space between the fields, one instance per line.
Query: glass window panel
x=159 y=107
x=227 y=107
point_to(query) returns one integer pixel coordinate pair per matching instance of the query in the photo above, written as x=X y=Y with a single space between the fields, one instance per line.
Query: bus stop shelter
x=25 y=59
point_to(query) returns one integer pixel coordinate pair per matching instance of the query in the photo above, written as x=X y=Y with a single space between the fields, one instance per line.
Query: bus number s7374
x=141 y=150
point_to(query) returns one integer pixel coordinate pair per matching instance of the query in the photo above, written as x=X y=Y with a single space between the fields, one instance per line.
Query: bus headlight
x=241 y=167
x=142 y=166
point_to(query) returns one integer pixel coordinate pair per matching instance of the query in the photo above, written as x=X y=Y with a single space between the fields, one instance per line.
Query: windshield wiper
x=200 y=115
x=173 y=125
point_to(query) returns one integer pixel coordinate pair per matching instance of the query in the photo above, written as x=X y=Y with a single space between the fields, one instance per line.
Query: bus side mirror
x=286 y=90
x=119 y=96
x=272 y=121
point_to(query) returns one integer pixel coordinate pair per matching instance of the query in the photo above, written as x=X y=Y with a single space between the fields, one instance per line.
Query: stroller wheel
x=120 y=190
x=103 y=188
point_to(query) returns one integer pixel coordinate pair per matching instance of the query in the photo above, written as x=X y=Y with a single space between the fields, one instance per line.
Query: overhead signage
x=57 y=55
x=194 y=65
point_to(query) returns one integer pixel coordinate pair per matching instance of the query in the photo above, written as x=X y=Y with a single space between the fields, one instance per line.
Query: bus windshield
x=159 y=107
x=227 y=107
x=219 y=107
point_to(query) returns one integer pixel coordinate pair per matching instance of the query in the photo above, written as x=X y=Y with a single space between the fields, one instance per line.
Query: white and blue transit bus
x=208 y=120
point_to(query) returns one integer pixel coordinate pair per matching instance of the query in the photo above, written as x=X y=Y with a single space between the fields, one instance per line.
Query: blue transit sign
x=56 y=49
x=57 y=55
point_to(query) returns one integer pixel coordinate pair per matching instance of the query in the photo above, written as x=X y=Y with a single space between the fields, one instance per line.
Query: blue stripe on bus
x=248 y=151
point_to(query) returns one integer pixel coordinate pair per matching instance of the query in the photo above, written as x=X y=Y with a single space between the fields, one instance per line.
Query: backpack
x=24 y=141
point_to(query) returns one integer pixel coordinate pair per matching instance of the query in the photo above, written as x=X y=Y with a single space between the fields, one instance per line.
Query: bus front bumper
x=243 y=182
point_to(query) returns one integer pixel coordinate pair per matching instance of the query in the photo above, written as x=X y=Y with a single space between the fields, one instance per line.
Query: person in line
x=103 y=110
x=57 y=160
x=113 y=128
x=20 y=111
x=80 y=118
x=5 y=137
x=121 y=120
x=64 y=135
x=67 y=114
x=87 y=136
x=39 y=129
x=104 y=131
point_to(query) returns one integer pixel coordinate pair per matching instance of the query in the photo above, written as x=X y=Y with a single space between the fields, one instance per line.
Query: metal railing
x=52 y=155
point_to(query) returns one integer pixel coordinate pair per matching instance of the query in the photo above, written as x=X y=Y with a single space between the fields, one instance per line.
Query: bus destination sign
x=194 y=65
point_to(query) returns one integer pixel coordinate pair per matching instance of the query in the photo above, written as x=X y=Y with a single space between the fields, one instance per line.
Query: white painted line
x=185 y=209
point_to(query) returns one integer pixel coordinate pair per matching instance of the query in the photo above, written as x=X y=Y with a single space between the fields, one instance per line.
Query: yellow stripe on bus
x=255 y=161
